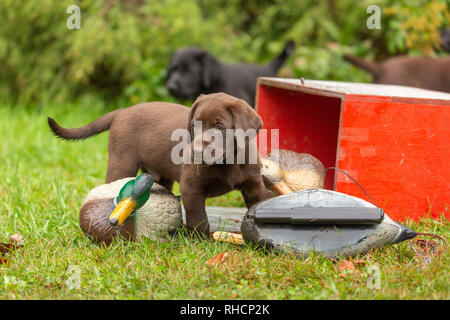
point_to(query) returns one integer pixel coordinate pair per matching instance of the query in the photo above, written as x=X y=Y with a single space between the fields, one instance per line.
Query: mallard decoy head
x=133 y=195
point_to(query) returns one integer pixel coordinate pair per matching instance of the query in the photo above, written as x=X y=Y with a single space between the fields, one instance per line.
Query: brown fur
x=140 y=138
x=421 y=72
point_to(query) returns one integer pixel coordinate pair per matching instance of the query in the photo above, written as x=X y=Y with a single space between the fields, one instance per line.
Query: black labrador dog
x=193 y=71
x=445 y=39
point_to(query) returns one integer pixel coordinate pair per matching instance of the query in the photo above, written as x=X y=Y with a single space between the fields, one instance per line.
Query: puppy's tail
x=276 y=63
x=371 y=67
x=92 y=129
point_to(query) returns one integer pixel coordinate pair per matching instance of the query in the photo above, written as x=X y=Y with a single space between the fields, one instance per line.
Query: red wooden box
x=393 y=140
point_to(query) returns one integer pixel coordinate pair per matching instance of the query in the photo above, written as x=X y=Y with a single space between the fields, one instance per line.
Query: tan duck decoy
x=131 y=208
x=292 y=172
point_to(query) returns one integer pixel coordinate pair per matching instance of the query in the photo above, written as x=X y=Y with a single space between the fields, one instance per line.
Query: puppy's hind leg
x=121 y=166
x=166 y=183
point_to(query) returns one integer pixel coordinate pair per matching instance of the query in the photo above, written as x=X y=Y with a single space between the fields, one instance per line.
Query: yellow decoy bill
x=122 y=211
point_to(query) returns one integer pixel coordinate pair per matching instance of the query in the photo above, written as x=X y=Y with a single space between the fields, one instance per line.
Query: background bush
x=120 y=53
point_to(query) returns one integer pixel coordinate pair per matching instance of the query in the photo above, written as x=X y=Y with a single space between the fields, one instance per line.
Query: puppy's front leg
x=194 y=204
x=254 y=191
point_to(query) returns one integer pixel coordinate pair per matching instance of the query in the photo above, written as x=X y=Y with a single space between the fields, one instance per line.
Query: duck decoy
x=132 y=208
x=328 y=222
x=286 y=171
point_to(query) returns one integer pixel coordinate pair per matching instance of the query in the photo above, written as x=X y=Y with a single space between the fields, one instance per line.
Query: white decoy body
x=156 y=215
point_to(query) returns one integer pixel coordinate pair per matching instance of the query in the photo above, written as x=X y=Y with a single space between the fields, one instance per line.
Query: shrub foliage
x=121 y=51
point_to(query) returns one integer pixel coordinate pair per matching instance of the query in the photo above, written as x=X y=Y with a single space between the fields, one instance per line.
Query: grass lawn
x=43 y=181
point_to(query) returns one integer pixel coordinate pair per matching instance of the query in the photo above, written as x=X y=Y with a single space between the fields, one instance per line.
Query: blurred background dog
x=422 y=72
x=193 y=71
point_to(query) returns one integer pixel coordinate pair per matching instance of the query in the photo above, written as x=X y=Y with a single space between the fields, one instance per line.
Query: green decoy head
x=133 y=195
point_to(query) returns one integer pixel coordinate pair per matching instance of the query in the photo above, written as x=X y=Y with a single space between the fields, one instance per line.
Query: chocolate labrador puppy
x=193 y=71
x=421 y=72
x=141 y=137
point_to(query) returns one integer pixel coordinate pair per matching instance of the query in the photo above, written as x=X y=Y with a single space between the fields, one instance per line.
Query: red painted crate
x=393 y=140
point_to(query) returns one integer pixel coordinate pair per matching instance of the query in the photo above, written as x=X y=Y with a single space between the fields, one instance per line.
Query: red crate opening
x=393 y=140
x=307 y=123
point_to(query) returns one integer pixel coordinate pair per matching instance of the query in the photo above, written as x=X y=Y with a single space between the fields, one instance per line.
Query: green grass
x=43 y=181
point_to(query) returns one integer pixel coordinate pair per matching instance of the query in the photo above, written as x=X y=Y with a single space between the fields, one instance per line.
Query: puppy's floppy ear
x=245 y=117
x=191 y=113
x=210 y=69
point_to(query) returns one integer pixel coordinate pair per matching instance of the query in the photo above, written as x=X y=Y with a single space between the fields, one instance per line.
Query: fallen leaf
x=234 y=296
x=217 y=259
x=13 y=245
x=346 y=265
x=359 y=263
x=16 y=241
x=7 y=247
x=16 y=238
